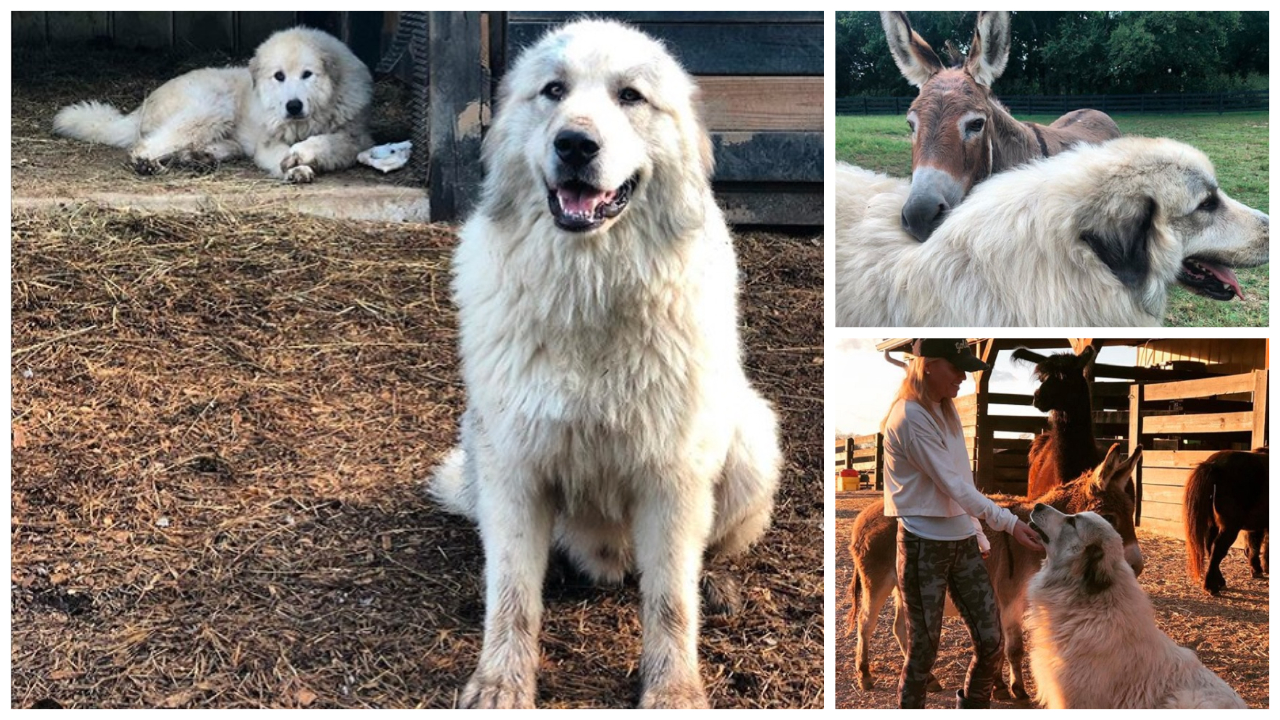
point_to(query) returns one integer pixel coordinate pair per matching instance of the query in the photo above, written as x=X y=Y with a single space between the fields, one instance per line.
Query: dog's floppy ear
x=1094 y=573
x=1122 y=244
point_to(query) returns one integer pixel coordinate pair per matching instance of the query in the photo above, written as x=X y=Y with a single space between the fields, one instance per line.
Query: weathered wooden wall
x=761 y=75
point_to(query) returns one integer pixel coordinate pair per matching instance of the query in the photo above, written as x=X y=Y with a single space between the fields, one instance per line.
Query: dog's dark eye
x=306 y=74
x=630 y=96
x=279 y=76
x=553 y=90
x=974 y=126
x=1210 y=203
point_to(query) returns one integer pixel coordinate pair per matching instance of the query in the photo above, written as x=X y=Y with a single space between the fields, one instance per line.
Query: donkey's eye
x=1111 y=519
x=279 y=76
x=1210 y=203
x=974 y=126
x=554 y=90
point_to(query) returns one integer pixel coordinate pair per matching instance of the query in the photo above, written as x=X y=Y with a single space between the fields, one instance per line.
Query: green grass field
x=1237 y=143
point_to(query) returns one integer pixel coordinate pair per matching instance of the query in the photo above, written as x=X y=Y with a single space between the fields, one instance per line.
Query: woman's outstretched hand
x=1026 y=537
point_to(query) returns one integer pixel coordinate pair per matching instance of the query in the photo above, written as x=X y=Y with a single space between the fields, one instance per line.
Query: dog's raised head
x=1081 y=549
x=297 y=73
x=596 y=111
x=1158 y=215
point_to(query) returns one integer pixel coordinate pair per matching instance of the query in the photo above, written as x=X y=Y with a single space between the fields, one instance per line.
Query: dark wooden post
x=879 y=461
x=457 y=116
x=983 y=448
x=1135 y=439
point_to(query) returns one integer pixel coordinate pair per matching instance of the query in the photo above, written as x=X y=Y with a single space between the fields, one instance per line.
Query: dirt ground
x=220 y=426
x=1228 y=633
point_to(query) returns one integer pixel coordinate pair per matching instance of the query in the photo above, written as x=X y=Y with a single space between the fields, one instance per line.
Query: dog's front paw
x=146 y=165
x=300 y=174
x=496 y=693
x=674 y=695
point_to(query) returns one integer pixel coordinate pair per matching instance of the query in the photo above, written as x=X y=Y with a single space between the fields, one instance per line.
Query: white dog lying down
x=1094 y=640
x=1094 y=236
x=608 y=412
x=299 y=108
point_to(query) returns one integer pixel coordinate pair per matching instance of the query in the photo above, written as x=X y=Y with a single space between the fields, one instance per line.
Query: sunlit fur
x=1093 y=634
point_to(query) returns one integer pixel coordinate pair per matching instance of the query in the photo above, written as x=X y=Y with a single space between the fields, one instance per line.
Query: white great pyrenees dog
x=1094 y=640
x=608 y=413
x=300 y=108
x=1094 y=236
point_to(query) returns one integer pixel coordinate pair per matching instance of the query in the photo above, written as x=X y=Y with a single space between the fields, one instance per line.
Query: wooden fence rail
x=1246 y=100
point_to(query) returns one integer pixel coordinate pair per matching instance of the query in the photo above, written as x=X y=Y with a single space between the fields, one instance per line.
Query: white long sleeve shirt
x=927 y=473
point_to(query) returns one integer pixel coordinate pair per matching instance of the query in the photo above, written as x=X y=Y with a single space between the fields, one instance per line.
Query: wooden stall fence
x=1232 y=414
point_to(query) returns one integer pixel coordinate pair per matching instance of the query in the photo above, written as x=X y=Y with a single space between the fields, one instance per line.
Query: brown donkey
x=1105 y=490
x=960 y=133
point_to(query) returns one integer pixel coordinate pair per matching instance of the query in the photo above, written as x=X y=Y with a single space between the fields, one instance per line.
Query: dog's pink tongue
x=582 y=201
x=1225 y=275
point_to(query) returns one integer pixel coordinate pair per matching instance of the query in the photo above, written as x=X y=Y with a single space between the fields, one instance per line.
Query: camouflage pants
x=927 y=570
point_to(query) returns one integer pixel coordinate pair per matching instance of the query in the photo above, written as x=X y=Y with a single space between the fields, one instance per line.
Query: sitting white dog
x=1094 y=640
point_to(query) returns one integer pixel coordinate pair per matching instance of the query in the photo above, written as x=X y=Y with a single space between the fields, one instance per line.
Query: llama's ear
x=1094 y=573
x=917 y=61
x=1029 y=356
x=1122 y=241
x=989 y=52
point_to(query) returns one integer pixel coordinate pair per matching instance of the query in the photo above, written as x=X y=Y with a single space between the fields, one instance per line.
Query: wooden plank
x=1171 y=511
x=1163 y=493
x=1259 y=408
x=456 y=90
x=1184 y=459
x=255 y=27
x=151 y=30
x=1220 y=422
x=1008 y=399
x=1017 y=423
x=203 y=30
x=1166 y=477
x=1005 y=459
x=762 y=103
x=1012 y=444
x=1135 y=440
x=28 y=27
x=718 y=49
x=1011 y=474
x=797 y=204
x=1200 y=388
x=768 y=156
x=1166 y=528
x=77 y=26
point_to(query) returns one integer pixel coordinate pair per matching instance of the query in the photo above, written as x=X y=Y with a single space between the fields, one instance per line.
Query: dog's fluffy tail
x=448 y=485
x=98 y=122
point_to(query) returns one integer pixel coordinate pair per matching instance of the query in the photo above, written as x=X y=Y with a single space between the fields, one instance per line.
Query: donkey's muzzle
x=933 y=194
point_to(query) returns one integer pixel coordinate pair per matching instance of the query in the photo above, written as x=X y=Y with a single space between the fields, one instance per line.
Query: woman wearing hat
x=929 y=488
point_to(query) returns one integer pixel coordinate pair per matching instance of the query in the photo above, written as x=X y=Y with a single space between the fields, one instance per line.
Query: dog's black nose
x=293 y=107
x=576 y=148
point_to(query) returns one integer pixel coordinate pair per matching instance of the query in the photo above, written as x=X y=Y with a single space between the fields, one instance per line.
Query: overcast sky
x=860 y=384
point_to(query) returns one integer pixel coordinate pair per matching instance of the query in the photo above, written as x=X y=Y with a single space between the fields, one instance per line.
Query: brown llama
x=1068 y=447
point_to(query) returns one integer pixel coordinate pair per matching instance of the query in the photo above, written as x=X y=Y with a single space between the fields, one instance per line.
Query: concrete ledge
x=384 y=203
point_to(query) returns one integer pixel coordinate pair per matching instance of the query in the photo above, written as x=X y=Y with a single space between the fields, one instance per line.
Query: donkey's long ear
x=917 y=61
x=990 y=50
x=1086 y=357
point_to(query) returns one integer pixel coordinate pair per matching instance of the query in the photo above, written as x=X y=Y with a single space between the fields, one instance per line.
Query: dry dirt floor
x=221 y=422
x=1228 y=633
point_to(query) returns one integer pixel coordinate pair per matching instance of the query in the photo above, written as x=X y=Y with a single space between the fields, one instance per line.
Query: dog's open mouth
x=1209 y=279
x=578 y=207
x=1044 y=537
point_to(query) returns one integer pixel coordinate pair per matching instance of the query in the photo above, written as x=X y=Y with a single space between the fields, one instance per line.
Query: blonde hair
x=915 y=388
